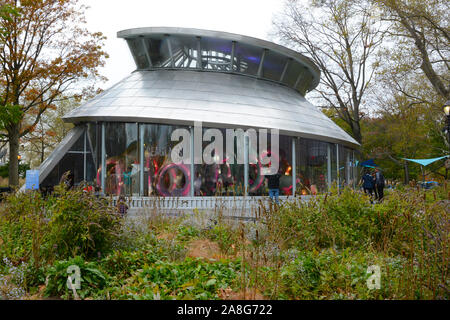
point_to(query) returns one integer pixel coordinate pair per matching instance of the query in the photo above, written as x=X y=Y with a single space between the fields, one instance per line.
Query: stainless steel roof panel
x=225 y=100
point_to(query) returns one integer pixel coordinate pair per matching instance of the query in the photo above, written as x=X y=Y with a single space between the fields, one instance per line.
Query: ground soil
x=205 y=249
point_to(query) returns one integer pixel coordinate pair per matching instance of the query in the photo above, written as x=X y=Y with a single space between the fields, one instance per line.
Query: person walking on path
x=379 y=184
x=273 y=182
x=368 y=185
x=375 y=191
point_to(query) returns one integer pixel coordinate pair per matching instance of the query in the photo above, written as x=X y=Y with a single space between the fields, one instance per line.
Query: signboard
x=32 y=180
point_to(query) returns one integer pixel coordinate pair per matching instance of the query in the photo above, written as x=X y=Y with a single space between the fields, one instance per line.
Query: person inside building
x=273 y=183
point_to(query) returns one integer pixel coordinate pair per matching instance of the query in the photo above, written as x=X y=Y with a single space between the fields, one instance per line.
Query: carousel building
x=122 y=142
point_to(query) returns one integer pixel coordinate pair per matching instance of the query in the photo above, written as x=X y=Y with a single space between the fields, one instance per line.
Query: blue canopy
x=368 y=163
x=425 y=162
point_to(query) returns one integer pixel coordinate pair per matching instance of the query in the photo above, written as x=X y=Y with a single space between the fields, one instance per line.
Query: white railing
x=202 y=203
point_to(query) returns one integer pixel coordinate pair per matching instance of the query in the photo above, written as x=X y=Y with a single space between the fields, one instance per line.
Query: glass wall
x=138 y=160
x=93 y=147
x=312 y=166
x=162 y=177
x=77 y=163
x=215 y=54
x=343 y=166
x=122 y=159
x=225 y=176
x=257 y=181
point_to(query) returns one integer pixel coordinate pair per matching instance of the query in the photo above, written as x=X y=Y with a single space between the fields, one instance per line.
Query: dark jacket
x=368 y=182
x=379 y=179
x=273 y=181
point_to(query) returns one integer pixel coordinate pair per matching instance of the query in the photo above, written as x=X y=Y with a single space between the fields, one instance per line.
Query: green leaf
x=211 y=282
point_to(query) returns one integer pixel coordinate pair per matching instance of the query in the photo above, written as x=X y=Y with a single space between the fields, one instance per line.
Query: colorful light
x=288 y=171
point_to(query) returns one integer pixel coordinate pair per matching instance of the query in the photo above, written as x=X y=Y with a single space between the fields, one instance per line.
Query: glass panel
x=286 y=165
x=161 y=176
x=311 y=156
x=159 y=52
x=247 y=58
x=91 y=170
x=138 y=50
x=357 y=169
x=79 y=144
x=122 y=159
x=185 y=51
x=93 y=153
x=216 y=54
x=225 y=179
x=334 y=176
x=258 y=183
x=273 y=65
x=343 y=166
x=292 y=73
x=72 y=161
x=304 y=84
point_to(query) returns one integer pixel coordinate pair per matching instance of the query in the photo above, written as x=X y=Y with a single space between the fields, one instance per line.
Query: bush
x=191 y=279
x=123 y=263
x=23 y=228
x=81 y=224
x=92 y=279
x=66 y=224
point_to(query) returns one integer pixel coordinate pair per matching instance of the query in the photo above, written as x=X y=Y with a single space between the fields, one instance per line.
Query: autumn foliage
x=45 y=50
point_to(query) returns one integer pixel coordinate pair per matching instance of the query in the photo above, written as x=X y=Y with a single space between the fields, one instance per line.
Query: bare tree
x=425 y=24
x=342 y=37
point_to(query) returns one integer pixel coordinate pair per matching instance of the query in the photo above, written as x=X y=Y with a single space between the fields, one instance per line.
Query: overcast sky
x=247 y=17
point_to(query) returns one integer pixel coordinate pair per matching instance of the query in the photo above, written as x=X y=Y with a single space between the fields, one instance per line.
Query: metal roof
x=216 y=99
x=207 y=50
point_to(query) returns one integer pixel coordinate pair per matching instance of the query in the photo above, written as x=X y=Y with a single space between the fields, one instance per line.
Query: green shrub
x=187 y=232
x=190 y=279
x=65 y=224
x=23 y=228
x=92 y=279
x=224 y=235
x=81 y=224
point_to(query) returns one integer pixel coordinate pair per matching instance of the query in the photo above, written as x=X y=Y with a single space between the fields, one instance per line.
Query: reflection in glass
x=162 y=177
x=343 y=166
x=311 y=165
x=220 y=179
x=257 y=181
x=138 y=49
x=274 y=64
x=74 y=161
x=247 y=58
x=122 y=160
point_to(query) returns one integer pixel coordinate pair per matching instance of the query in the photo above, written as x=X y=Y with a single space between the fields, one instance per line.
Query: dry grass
x=206 y=249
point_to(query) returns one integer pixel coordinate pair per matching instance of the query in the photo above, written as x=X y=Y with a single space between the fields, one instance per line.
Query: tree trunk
x=356 y=130
x=406 y=173
x=42 y=149
x=13 y=157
